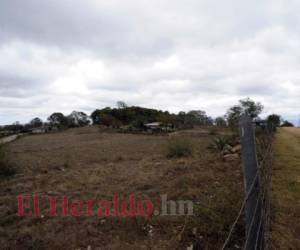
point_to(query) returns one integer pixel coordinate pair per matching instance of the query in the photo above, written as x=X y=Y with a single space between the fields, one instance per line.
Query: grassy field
x=286 y=190
x=87 y=163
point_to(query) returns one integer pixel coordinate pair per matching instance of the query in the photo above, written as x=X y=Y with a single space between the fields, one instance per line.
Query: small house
x=153 y=127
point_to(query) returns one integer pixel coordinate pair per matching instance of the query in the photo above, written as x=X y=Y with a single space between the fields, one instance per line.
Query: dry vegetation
x=286 y=190
x=6 y=169
x=87 y=164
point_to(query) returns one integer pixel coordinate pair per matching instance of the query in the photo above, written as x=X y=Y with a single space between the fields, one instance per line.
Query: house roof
x=153 y=124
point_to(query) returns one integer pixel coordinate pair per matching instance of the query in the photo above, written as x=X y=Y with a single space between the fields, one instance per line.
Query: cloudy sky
x=169 y=54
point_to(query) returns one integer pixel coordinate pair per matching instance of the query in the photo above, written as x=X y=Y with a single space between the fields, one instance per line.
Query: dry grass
x=286 y=190
x=86 y=164
x=6 y=169
x=179 y=147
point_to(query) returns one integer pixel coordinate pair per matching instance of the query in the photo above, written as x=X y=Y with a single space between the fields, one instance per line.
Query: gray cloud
x=107 y=29
x=83 y=54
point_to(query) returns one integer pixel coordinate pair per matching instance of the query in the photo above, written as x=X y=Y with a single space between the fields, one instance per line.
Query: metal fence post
x=253 y=207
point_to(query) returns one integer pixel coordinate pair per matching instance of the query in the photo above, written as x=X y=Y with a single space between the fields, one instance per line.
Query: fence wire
x=264 y=139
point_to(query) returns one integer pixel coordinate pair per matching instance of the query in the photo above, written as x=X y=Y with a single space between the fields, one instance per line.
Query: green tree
x=274 y=120
x=109 y=121
x=251 y=108
x=287 y=124
x=199 y=117
x=58 y=119
x=220 y=121
x=233 y=115
x=36 y=122
x=78 y=119
x=245 y=106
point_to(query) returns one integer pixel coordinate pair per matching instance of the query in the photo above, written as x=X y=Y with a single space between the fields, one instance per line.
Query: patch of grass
x=286 y=191
x=209 y=211
x=179 y=147
x=6 y=170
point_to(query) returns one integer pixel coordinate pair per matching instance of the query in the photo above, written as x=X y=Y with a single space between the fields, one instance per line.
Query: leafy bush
x=179 y=147
x=6 y=170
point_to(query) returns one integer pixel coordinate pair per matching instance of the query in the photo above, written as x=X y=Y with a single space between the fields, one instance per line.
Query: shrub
x=179 y=147
x=219 y=143
x=6 y=170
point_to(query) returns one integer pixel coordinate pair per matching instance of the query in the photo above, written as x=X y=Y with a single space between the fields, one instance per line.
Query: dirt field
x=86 y=163
x=286 y=190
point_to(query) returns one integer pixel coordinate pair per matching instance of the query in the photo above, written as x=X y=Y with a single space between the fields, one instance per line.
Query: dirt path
x=8 y=139
x=286 y=190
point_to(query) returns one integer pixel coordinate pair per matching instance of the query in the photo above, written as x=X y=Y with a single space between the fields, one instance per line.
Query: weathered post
x=254 y=225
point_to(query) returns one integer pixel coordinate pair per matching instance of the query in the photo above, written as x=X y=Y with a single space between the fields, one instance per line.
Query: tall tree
x=36 y=122
x=58 y=119
x=220 y=122
x=199 y=117
x=245 y=106
x=274 y=120
x=77 y=118
x=251 y=107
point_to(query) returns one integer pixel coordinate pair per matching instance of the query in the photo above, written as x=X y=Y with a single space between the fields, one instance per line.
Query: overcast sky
x=169 y=54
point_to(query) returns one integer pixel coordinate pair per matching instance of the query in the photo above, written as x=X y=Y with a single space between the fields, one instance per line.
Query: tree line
x=137 y=116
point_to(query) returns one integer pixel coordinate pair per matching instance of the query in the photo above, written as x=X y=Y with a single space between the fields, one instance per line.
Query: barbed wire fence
x=257 y=157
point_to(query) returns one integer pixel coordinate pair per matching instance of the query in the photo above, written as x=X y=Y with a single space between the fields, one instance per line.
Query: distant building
x=39 y=130
x=154 y=127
